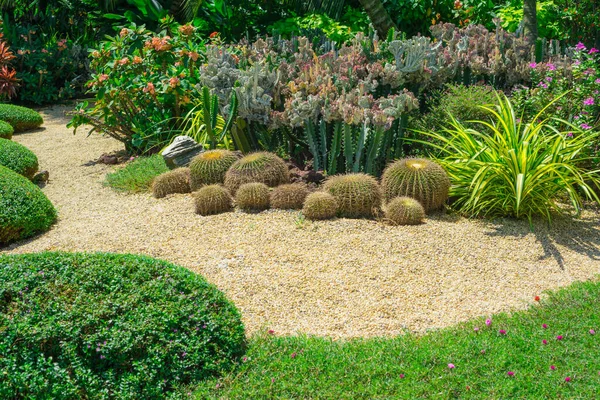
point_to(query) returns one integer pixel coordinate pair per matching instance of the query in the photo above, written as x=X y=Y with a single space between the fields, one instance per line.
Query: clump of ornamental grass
x=137 y=176
x=209 y=167
x=319 y=206
x=212 y=199
x=358 y=195
x=175 y=181
x=419 y=178
x=252 y=196
x=404 y=211
x=260 y=167
x=289 y=197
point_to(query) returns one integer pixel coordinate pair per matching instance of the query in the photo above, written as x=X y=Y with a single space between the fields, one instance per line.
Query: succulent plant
x=260 y=167
x=320 y=205
x=212 y=199
x=209 y=167
x=404 y=211
x=175 y=181
x=289 y=197
x=358 y=195
x=419 y=178
x=252 y=196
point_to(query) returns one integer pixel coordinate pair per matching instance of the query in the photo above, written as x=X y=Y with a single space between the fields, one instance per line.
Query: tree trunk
x=530 y=31
x=381 y=20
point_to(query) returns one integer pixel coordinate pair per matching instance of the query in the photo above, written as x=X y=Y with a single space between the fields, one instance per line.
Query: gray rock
x=41 y=177
x=181 y=151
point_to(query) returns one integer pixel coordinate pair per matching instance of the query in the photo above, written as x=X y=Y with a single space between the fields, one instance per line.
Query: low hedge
x=20 y=118
x=24 y=209
x=18 y=158
x=6 y=130
x=100 y=326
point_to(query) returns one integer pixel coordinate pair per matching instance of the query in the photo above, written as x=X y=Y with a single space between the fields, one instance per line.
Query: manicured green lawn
x=410 y=366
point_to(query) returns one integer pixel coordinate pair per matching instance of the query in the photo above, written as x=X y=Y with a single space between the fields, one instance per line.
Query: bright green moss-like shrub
x=358 y=195
x=18 y=158
x=419 y=178
x=320 y=205
x=252 y=196
x=289 y=197
x=24 y=209
x=209 y=167
x=108 y=326
x=176 y=181
x=212 y=199
x=137 y=176
x=20 y=118
x=260 y=167
x=404 y=211
x=6 y=130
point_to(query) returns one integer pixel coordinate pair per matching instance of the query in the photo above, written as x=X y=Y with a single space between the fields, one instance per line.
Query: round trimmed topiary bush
x=260 y=167
x=404 y=211
x=209 y=167
x=6 y=130
x=100 y=326
x=175 y=181
x=320 y=205
x=24 y=209
x=253 y=196
x=212 y=199
x=289 y=197
x=18 y=158
x=20 y=118
x=419 y=178
x=358 y=195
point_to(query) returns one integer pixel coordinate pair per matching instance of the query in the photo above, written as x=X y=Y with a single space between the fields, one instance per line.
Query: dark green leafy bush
x=20 y=118
x=6 y=130
x=18 y=158
x=24 y=209
x=100 y=326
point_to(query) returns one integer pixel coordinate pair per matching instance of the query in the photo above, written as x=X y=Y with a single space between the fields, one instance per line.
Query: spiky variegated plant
x=514 y=167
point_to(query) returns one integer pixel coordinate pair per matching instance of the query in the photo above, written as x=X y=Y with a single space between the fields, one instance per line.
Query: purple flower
x=451 y=366
x=593 y=50
x=580 y=46
x=585 y=126
x=532 y=65
x=598 y=81
x=589 y=101
x=570 y=134
x=548 y=79
x=102 y=357
x=551 y=67
x=543 y=85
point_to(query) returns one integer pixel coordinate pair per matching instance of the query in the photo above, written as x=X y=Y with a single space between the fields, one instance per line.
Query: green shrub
x=419 y=178
x=24 y=209
x=209 y=167
x=518 y=170
x=175 y=181
x=137 y=176
x=108 y=326
x=260 y=167
x=289 y=197
x=212 y=199
x=18 y=158
x=320 y=205
x=6 y=130
x=358 y=195
x=20 y=118
x=253 y=196
x=404 y=211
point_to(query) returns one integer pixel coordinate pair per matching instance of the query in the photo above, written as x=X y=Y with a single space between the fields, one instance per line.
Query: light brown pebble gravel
x=341 y=278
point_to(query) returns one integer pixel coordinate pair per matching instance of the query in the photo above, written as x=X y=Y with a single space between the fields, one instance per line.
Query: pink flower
x=293 y=355
x=483 y=351
x=598 y=81
x=544 y=326
x=552 y=367
x=593 y=50
x=510 y=373
x=488 y=322
x=568 y=379
x=271 y=332
x=585 y=126
x=559 y=337
x=580 y=46
x=592 y=332
x=476 y=329
x=502 y=332
x=548 y=79
x=551 y=67
x=544 y=341
x=401 y=376
x=532 y=65
x=451 y=366
x=589 y=101
x=245 y=359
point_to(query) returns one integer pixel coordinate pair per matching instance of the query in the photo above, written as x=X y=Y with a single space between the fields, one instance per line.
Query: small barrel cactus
x=289 y=197
x=419 y=178
x=358 y=195
x=209 y=167
x=404 y=211
x=253 y=196
x=212 y=199
x=260 y=167
x=175 y=181
x=320 y=205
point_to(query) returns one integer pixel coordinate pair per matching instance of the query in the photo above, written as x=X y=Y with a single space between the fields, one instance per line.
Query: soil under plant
x=341 y=277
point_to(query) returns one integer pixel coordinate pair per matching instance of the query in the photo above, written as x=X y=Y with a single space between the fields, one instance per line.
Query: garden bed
x=341 y=278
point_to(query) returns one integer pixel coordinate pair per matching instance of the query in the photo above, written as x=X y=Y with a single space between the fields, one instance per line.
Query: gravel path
x=342 y=278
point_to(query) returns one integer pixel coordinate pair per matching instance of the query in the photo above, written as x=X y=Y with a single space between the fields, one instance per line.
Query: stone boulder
x=181 y=151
